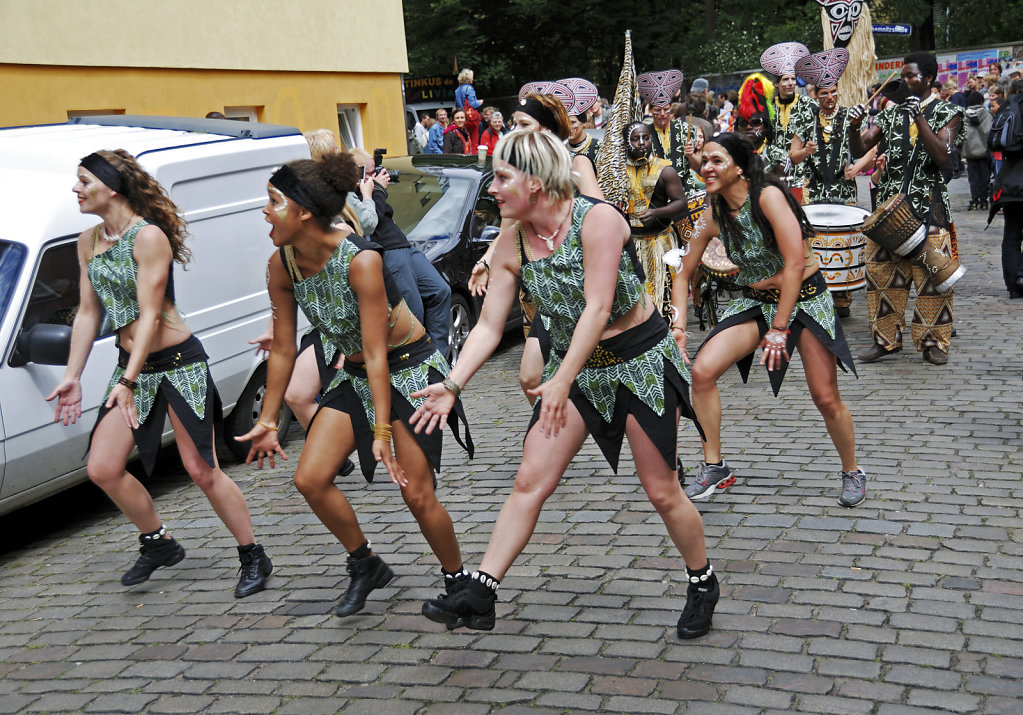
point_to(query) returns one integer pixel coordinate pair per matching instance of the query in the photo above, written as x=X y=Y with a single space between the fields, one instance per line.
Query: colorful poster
x=955 y=66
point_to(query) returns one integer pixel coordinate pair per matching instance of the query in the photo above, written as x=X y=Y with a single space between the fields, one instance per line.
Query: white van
x=216 y=172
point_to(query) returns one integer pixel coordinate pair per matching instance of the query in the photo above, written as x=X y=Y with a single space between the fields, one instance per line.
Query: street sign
x=906 y=30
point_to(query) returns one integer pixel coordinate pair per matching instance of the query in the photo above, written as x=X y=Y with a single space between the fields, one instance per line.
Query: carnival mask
x=842 y=17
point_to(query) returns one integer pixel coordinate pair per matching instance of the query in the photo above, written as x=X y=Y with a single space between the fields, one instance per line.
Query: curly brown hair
x=148 y=199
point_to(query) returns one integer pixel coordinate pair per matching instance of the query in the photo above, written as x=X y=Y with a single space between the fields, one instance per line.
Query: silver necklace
x=117 y=236
x=548 y=241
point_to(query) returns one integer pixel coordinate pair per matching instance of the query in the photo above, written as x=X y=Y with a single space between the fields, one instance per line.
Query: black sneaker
x=452 y=585
x=681 y=470
x=471 y=606
x=347 y=467
x=152 y=555
x=854 y=487
x=367 y=574
x=701 y=598
x=255 y=569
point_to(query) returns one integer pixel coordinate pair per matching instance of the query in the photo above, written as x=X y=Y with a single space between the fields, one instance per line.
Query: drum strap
x=911 y=167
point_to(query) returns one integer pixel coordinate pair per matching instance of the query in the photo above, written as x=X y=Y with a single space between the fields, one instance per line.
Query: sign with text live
x=906 y=30
x=437 y=88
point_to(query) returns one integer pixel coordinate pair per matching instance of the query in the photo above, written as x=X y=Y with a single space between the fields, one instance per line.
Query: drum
x=686 y=226
x=895 y=227
x=715 y=261
x=839 y=244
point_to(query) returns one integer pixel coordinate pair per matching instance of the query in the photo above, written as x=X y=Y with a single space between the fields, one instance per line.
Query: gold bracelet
x=452 y=386
x=678 y=327
x=261 y=423
x=382 y=432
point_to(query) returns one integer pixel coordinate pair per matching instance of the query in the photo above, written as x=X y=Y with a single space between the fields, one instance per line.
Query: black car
x=441 y=203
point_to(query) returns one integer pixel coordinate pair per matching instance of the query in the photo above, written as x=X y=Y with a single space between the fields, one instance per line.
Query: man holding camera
x=921 y=137
x=427 y=294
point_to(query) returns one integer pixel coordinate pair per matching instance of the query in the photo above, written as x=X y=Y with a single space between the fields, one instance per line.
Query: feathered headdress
x=754 y=94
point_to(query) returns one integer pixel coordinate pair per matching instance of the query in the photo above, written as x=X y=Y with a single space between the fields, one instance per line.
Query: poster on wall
x=957 y=66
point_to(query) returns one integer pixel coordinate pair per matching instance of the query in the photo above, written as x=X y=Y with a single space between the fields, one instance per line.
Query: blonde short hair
x=540 y=155
x=321 y=142
x=360 y=155
x=465 y=76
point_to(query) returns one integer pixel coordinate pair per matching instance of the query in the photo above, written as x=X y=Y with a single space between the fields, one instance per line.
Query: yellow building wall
x=293 y=35
x=39 y=94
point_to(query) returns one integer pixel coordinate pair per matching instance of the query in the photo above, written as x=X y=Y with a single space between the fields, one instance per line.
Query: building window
x=349 y=125
x=92 y=112
x=243 y=114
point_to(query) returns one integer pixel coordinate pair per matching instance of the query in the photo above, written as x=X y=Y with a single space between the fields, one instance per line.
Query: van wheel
x=246 y=413
x=459 y=325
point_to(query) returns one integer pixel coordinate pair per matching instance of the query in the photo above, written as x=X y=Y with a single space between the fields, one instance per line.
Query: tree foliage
x=510 y=42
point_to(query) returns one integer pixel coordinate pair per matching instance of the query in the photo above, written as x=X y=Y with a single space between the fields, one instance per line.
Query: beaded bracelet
x=130 y=384
x=452 y=386
x=382 y=432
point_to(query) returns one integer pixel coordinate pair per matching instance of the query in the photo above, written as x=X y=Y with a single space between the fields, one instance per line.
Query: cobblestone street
x=909 y=603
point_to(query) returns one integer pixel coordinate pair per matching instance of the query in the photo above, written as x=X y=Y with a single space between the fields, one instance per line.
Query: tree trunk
x=708 y=19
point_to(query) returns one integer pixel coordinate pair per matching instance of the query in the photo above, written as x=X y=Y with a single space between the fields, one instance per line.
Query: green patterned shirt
x=824 y=170
x=114 y=276
x=757 y=262
x=925 y=180
x=801 y=110
x=556 y=282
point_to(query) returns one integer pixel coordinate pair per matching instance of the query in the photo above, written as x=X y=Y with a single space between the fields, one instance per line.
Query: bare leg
x=328 y=444
x=421 y=499
x=304 y=387
x=822 y=379
x=224 y=495
x=111 y=445
x=543 y=463
x=660 y=482
x=531 y=367
x=717 y=355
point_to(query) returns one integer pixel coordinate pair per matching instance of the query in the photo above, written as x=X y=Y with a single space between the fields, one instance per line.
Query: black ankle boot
x=255 y=569
x=701 y=598
x=367 y=573
x=154 y=553
x=471 y=606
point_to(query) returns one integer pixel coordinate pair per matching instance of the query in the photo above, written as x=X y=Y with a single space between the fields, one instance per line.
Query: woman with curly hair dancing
x=126 y=270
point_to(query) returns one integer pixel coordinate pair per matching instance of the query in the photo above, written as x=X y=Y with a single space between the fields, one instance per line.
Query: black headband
x=534 y=108
x=288 y=183
x=103 y=170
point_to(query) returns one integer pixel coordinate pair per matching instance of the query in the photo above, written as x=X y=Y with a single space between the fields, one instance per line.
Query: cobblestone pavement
x=910 y=603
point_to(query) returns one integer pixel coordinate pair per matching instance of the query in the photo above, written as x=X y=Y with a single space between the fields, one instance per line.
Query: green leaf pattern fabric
x=801 y=113
x=556 y=282
x=329 y=302
x=926 y=177
x=818 y=191
x=642 y=375
x=114 y=276
x=406 y=381
x=189 y=381
x=756 y=262
x=820 y=308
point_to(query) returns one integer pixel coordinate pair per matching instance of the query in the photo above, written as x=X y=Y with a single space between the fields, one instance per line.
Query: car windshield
x=429 y=206
x=12 y=255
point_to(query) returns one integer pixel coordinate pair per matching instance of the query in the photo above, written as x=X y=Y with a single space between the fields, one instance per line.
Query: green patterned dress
x=330 y=303
x=177 y=376
x=800 y=111
x=825 y=170
x=639 y=371
x=814 y=311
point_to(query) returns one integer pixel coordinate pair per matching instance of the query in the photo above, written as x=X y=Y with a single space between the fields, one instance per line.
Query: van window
x=12 y=255
x=54 y=296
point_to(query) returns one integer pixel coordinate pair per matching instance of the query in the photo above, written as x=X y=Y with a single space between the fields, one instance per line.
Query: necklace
x=548 y=240
x=113 y=239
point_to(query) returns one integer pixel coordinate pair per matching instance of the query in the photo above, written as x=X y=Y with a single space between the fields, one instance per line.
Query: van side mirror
x=43 y=343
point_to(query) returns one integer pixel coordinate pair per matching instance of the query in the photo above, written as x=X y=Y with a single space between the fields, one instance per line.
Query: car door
x=41 y=455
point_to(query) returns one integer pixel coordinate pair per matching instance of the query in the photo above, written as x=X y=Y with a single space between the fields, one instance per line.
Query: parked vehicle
x=441 y=204
x=216 y=172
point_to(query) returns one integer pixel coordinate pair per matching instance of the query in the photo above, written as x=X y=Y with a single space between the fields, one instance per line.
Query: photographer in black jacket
x=425 y=291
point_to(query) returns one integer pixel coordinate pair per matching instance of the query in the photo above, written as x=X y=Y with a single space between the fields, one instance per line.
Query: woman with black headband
x=785 y=304
x=126 y=271
x=338 y=280
x=614 y=372
x=536 y=112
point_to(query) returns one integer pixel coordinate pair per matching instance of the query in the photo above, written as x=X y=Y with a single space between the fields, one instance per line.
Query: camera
x=378 y=160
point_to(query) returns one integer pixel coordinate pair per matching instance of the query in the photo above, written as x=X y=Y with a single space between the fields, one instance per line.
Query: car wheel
x=459 y=325
x=246 y=413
